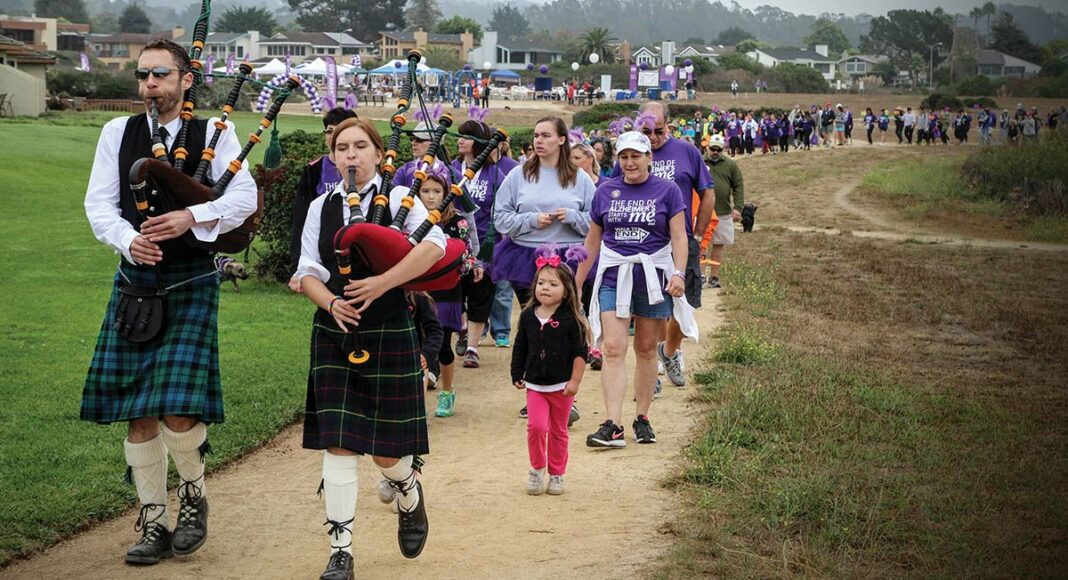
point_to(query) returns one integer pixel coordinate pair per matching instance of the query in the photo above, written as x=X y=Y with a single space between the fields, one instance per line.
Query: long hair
x=566 y=171
x=587 y=150
x=570 y=300
x=479 y=133
x=450 y=210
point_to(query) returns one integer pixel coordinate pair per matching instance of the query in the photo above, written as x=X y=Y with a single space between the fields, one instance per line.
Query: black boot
x=192 y=529
x=412 y=526
x=339 y=567
x=155 y=542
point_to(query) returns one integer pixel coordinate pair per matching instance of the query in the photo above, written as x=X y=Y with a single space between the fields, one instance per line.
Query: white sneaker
x=536 y=482
x=386 y=493
x=556 y=484
x=673 y=365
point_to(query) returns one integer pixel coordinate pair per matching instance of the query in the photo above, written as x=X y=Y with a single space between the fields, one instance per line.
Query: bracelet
x=330 y=308
x=680 y=274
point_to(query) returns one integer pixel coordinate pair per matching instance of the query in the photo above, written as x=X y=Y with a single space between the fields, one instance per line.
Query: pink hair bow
x=542 y=261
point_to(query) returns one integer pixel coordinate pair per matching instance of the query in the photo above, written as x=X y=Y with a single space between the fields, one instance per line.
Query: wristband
x=330 y=308
x=680 y=274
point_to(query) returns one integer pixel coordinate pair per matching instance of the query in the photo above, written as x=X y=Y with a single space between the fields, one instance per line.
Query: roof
x=312 y=38
x=872 y=58
x=654 y=50
x=523 y=45
x=431 y=37
x=224 y=37
x=792 y=54
x=344 y=38
x=125 y=38
x=985 y=56
x=19 y=52
x=707 y=50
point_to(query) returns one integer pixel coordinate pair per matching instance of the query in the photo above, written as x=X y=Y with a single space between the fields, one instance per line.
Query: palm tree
x=989 y=10
x=977 y=13
x=599 y=40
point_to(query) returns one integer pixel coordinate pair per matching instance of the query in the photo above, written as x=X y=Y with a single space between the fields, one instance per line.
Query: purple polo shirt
x=680 y=162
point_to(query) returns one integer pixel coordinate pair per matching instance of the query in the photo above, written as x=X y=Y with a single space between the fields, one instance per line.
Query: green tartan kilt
x=374 y=408
x=176 y=373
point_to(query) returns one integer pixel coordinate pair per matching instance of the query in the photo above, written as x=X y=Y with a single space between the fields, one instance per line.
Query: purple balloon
x=397 y=64
x=643 y=65
x=530 y=66
x=543 y=69
x=687 y=62
x=467 y=67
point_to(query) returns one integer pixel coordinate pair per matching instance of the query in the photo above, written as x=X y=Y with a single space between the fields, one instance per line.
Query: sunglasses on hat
x=658 y=131
x=159 y=72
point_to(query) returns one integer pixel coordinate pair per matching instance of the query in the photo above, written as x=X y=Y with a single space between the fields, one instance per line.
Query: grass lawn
x=57 y=472
x=880 y=409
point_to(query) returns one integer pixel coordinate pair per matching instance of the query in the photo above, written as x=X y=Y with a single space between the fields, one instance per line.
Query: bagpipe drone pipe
x=381 y=247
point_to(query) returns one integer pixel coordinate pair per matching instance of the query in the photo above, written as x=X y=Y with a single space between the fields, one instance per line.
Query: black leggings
x=898 y=129
x=870 y=129
x=908 y=133
x=446 y=356
x=522 y=295
x=784 y=143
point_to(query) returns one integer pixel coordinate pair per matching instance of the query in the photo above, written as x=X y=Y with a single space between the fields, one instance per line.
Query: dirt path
x=266 y=521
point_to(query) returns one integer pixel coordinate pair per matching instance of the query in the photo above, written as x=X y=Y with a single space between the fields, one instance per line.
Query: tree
x=599 y=40
x=365 y=17
x=459 y=25
x=443 y=58
x=509 y=21
x=72 y=10
x=750 y=44
x=906 y=37
x=135 y=19
x=104 y=23
x=737 y=60
x=976 y=13
x=1055 y=58
x=1009 y=38
x=732 y=35
x=693 y=41
x=241 y=19
x=825 y=31
x=423 y=14
x=989 y=10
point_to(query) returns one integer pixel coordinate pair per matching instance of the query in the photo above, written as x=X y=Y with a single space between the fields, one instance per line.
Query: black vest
x=330 y=221
x=137 y=143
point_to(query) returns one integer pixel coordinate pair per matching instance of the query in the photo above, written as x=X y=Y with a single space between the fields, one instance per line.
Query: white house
x=996 y=64
x=816 y=58
x=308 y=46
x=709 y=53
x=508 y=53
x=243 y=45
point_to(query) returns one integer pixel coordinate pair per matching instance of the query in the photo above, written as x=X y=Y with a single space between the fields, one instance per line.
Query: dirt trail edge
x=266 y=521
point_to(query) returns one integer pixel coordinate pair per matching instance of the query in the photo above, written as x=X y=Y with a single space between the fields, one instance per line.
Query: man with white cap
x=730 y=197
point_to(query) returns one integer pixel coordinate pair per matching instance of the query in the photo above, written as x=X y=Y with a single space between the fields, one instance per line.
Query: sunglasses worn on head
x=160 y=72
x=658 y=131
x=716 y=149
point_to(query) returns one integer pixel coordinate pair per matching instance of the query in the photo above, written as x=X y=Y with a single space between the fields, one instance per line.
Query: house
x=397 y=44
x=708 y=53
x=308 y=46
x=116 y=50
x=995 y=64
x=648 y=55
x=816 y=58
x=510 y=53
x=22 y=77
x=853 y=67
x=45 y=34
x=243 y=45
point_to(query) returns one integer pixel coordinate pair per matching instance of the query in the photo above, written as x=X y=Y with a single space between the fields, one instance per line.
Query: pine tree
x=423 y=14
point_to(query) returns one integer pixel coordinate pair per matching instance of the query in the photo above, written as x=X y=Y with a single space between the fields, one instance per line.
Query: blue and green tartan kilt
x=176 y=373
x=373 y=408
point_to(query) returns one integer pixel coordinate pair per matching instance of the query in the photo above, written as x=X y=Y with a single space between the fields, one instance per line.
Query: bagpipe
x=154 y=180
x=380 y=246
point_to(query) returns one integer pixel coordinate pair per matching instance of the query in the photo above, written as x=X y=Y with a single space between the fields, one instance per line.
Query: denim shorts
x=639 y=304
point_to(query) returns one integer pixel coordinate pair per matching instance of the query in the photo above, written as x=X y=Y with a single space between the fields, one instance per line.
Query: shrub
x=977 y=86
x=941 y=100
x=793 y=78
x=1030 y=179
x=97 y=85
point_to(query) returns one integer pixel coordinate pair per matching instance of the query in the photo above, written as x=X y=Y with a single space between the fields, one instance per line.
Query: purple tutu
x=515 y=263
x=450 y=315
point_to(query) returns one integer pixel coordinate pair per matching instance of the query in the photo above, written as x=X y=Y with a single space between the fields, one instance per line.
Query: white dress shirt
x=213 y=218
x=311 y=263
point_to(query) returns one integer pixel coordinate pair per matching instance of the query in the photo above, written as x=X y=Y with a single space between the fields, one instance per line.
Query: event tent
x=504 y=75
x=272 y=68
x=391 y=68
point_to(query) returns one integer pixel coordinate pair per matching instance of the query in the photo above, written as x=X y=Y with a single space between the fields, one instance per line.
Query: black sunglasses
x=160 y=72
x=658 y=131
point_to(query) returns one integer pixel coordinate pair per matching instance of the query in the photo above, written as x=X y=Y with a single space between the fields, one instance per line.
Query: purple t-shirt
x=680 y=162
x=406 y=173
x=328 y=178
x=507 y=164
x=636 y=219
x=482 y=190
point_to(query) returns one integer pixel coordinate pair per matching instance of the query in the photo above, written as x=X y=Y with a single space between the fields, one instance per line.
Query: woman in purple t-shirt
x=638 y=232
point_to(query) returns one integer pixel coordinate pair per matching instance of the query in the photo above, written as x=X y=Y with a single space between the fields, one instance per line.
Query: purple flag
x=633 y=78
x=85 y=63
x=230 y=64
x=289 y=64
x=209 y=67
x=331 y=82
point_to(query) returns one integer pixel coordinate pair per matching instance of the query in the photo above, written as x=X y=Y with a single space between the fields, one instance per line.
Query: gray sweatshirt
x=519 y=202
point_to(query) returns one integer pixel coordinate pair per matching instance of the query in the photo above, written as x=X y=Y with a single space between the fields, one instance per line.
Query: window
x=990 y=70
x=824 y=68
x=517 y=57
x=240 y=52
x=1014 y=71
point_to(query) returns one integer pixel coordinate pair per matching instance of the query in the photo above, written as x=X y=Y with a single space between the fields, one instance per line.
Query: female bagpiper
x=374 y=407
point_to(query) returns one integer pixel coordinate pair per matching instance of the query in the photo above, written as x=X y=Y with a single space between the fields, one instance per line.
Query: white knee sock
x=185 y=449
x=339 y=492
x=148 y=463
x=402 y=473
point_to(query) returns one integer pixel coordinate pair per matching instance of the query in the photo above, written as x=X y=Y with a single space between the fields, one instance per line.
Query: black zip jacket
x=545 y=355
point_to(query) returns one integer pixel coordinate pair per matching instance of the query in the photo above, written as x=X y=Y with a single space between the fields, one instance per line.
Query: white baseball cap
x=423 y=130
x=717 y=140
x=635 y=141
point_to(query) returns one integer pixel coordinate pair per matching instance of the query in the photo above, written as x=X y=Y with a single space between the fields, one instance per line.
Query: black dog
x=230 y=269
x=748 y=217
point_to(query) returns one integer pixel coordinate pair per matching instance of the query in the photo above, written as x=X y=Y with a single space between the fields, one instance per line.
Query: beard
x=169 y=102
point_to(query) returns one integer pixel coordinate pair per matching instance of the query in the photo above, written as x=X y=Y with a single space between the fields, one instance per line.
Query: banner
x=230 y=64
x=633 y=77
x=331 y=83
x=85 y=63
x=209 y=68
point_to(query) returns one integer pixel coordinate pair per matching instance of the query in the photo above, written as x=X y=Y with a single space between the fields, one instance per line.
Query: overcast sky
x=878 y=8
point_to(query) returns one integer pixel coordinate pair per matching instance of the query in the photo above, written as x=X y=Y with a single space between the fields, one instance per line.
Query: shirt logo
x=631 y=235
x=615 y=193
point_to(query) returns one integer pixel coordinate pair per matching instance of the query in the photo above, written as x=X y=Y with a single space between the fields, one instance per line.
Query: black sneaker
x=713 y=282
x=573 y=416
x=461 y=342
x=339 y=567
x=523 y=412
x=155 y=542
x=609 y=435
x=643 y=431
x=192 y=529
x=412 y=526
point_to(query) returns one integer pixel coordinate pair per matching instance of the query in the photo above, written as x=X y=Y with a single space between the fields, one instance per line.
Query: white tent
x=272 y=68
x=318 y=67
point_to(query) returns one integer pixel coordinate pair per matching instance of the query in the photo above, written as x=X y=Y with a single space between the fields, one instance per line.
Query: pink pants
x=547 y=437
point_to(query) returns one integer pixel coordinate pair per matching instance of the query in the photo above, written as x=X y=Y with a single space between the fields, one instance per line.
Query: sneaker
x=155 y=542
x=536 y=482
x=386 y=493
x=471 y=359
x=659 y=367
x=574 y=415
x=192 y=529
x=659 y=388
x=673 y=366
x=643 y=432
x=596 y=359
x=609 y=435
x=503 y=342
x=339 y=567
x=556 y=485
x=713 y=282
x=461 y=342
x=446 y=399
x=523 y=412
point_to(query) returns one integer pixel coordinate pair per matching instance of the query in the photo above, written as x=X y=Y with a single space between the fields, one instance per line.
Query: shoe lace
x=151 y=529
x=337 y=527
x=189 y=495
x=403 y=487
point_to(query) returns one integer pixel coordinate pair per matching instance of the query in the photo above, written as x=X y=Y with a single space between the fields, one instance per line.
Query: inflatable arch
x=279 y=80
